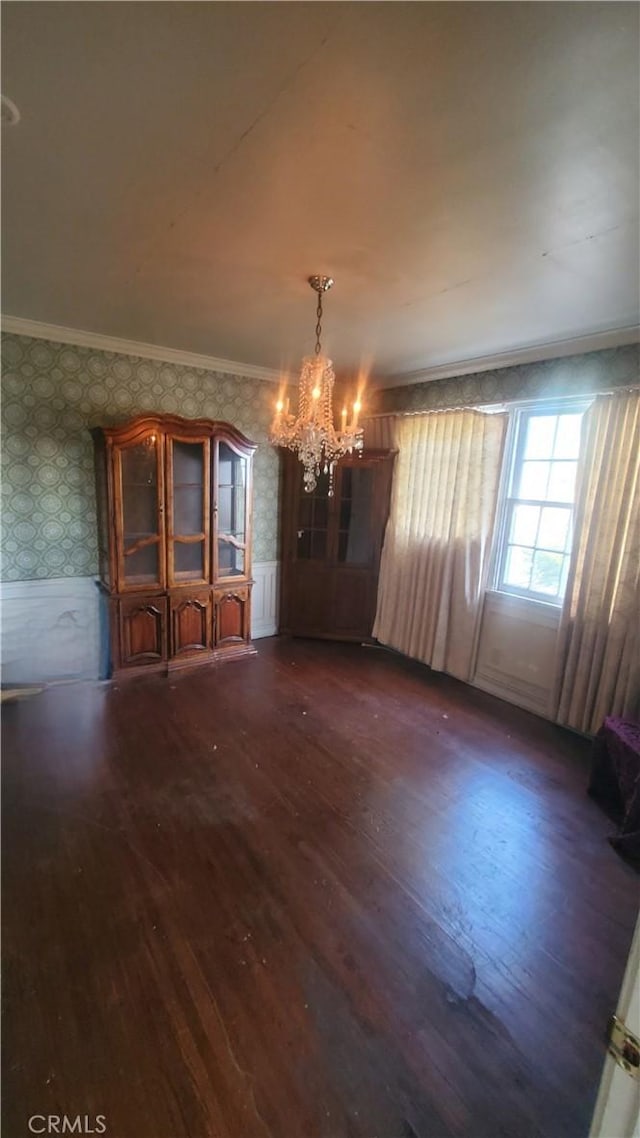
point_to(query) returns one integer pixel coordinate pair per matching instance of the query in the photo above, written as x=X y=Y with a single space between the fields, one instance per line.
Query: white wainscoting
x=50 y=630
x=517 y=649
x=264 y=599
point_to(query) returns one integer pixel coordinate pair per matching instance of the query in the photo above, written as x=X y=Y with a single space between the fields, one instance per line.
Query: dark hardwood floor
x=319 y=893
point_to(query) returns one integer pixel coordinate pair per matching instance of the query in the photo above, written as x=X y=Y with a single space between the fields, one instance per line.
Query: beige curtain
x=380 y=432
x=598 y=669
x=438 y=538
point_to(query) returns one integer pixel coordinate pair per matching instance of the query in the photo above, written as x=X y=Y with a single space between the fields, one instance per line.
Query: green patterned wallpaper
x=572 y=375
x=51 y=395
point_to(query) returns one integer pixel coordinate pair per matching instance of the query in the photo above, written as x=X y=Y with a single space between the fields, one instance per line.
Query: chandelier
x=312 y=432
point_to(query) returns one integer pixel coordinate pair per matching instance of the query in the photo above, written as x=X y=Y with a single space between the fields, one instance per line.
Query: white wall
x=50 y=629
x=264 y=599
x=516 y=650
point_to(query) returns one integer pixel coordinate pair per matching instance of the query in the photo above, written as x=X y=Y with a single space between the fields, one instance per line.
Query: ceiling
x=468 y=173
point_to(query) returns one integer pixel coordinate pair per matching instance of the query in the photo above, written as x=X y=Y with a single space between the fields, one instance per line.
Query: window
x=537 y=518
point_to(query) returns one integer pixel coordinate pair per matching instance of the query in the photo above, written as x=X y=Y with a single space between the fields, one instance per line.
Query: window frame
x=512 y=465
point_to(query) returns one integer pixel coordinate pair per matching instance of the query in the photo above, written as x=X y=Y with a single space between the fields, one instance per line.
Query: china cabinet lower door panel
x=233 y=621
x=191 y=626
x=353 y=603
x=142 y=632
x=163 y=633
x=309 y=599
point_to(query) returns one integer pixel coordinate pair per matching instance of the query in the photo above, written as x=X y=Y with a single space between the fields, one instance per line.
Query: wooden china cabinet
x=331 y=546
x=174 y=538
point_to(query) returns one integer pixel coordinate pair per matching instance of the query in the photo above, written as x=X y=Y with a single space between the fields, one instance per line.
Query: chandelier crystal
x=312 y=432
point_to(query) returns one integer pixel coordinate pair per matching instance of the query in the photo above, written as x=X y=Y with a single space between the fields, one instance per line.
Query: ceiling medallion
x=311 y=433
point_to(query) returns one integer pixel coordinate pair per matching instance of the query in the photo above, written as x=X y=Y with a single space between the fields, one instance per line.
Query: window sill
x=557 y=605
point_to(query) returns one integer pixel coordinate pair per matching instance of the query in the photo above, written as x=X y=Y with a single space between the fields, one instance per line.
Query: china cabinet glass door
x=331 y=547
x=188 y=510
x=141 y=529
x=355 y=537
x=313 y=521
x=231 y=516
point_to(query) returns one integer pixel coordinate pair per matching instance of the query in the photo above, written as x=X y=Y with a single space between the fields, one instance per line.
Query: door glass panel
x=189 y=560
x=187 y=463
x=304 y=544
x=225 y=509
x=188 y=488
x=140 y=487
x=313 y=521
x=230 y=558
x=141 y=531
x=318 y=544
x=355 y=537
x=305 y=512
x=188 y=510
x=320 y=512
x=231 y=500
x=141 y=565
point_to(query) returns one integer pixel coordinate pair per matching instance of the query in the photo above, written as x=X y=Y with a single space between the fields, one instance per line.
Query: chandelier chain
x=319 y=323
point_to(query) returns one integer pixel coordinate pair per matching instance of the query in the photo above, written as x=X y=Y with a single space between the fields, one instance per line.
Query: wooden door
x=617 y=1109
x=188 y=509
x=232 y=493
x=191 y=623
x=139 y=509
x=359 y=519
x=331 y=547
x=308 y=554
x=232 y=617
x=143 y=631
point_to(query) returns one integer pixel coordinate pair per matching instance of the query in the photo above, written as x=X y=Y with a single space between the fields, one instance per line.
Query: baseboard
x=537 y=702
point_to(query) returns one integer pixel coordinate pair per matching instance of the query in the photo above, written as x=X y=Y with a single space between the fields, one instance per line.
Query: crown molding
x=533 y=353
x=20 y=326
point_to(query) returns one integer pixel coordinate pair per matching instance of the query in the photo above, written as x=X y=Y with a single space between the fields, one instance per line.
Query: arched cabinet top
x=140 y=427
